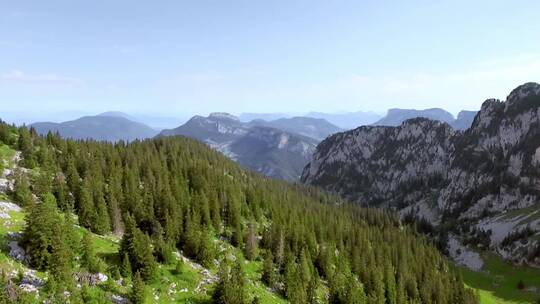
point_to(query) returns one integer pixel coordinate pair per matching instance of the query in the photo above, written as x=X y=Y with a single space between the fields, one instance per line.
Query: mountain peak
x=223 y=115
x=523 y=91
x=526 y=96
x=115 y=114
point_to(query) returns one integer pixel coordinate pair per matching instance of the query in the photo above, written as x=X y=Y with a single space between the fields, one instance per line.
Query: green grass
x=497 y=282
x=253 y=270
x=188 y=280
x=14 y=224
x=6 y=155
x=528 y=214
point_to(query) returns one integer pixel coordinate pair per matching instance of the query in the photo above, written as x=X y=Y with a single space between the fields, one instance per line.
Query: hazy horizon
x=178 y=59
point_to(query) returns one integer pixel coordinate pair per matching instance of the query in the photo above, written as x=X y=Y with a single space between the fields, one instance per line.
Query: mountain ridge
x=270 y=148
x=397 y=116
x=100 y=127
x=466 y=179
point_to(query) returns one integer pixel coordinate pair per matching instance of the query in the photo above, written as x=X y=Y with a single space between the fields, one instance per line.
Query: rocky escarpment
x=483 y=183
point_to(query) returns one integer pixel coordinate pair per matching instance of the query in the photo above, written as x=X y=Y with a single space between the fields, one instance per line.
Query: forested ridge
x=175 y=194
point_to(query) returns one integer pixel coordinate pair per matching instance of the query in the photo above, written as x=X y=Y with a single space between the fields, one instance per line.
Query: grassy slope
x=498 y=281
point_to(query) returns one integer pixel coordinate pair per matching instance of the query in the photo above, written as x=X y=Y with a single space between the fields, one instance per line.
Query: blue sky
x=179 y=58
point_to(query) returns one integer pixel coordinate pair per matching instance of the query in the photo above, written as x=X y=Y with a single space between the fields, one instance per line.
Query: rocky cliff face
x=483 y=183
x=273 y=152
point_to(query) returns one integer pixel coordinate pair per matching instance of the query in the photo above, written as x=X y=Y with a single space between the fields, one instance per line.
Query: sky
x=179 y=58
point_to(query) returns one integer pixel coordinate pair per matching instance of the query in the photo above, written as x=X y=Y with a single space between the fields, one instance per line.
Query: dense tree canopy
x=175 y=193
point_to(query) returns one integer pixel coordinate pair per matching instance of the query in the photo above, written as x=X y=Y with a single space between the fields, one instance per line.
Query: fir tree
x=89 y=259
x=269 y=275
x=251 y=242
x=179 y=267
x=22 y=194
x=207 y=251
x=230 y=288
x=138 y=291
x=39 y=231
x=125 y=269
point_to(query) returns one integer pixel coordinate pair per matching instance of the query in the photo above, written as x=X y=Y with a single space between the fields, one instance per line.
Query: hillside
x=109 y=127
x=478 y=188
x=169 y=220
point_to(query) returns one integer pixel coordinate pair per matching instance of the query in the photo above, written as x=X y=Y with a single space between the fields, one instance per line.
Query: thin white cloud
x=46 y=79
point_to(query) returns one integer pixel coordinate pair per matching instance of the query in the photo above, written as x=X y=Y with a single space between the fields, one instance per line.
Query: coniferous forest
x=170 y=196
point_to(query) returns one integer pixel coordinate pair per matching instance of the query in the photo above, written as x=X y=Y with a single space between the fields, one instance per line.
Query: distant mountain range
x=247 y=117
x=315 y=128
x=347 y=120
x=396 y=117
x=278 y=148
x=106 y=127
x=343 y=120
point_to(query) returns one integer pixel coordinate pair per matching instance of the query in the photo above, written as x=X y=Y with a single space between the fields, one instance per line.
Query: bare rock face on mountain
x=216 y=129
x=274 y=152
x=464 y=120
x=482 y=183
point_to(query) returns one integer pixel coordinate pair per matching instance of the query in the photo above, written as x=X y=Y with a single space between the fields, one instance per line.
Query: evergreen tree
x=251 y=242
x=179 y=268
x=237 y=239
x=61 y=262
x=100 y=218
x=125 y=269
x=138 y=247
x=142 y=259
x=85 y=208
x=294 y=287
x=269 y=275
x=22 y=193
x=37 y=237
x=230 y=288
x=89 y=259
x=207 y=251
x=138 y=291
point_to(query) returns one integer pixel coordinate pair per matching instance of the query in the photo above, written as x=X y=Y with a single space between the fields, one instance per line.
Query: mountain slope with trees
x=481 y=184
x=174 y=196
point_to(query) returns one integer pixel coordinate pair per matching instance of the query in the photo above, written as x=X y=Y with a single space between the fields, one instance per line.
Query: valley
x=269 y=152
